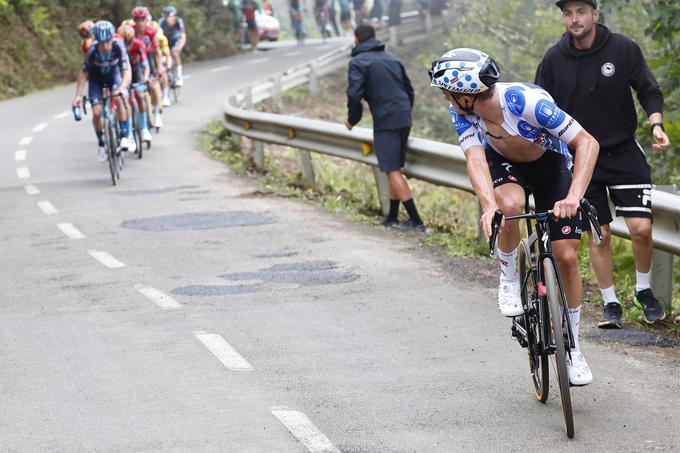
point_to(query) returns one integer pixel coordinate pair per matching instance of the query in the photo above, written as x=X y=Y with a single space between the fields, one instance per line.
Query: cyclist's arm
x=586 y=152
x=80 y=85
x=182 y=41
x=482 y=184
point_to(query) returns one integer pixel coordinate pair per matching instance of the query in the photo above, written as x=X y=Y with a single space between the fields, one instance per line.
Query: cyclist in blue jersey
x=173 y=29
x=516 y=140
x=107 y=65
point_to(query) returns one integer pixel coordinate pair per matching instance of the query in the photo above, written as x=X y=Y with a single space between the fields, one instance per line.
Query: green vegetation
x=40 y=45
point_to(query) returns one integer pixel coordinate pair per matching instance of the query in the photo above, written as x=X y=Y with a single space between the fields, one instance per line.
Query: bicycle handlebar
x=584 y=206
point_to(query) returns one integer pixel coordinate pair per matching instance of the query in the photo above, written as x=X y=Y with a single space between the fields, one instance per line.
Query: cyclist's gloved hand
x=566 y=208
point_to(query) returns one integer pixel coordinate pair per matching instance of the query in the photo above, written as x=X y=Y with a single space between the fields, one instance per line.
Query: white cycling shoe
x=101 y=154
x=128 y=144
x=146 y=135
x=179 y=82
x=158 y=121
x=509 y=299
x=166 y=101
x=578 y=369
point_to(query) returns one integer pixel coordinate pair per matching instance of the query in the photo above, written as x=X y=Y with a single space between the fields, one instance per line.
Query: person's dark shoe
x=410 y=225
x=651 y=307
x=387 y=222
x=611 y=316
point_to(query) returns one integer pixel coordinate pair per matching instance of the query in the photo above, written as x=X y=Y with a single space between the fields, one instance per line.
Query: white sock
x=158 y=110
x=508 y=262
x=166 y=92
x=575 y=321
x=642 y=281
x=179 y=71
x=609 y=295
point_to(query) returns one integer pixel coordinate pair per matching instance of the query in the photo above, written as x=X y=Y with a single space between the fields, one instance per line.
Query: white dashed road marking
x=158 y=297
x=22 y=172
x=292 y=54
x=186 y=76
x=106 y=259
x=220 y=68
x=304 y=430
x=61 y=115
x=25 y=140
x=39 y=127
x=47 y=208
x=31 y=190
x=70 y=231
x=20 y=155
x=231 y=359
x=258 y=60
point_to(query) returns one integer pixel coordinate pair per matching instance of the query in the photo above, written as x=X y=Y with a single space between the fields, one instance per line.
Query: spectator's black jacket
x=594 y=85
x=378 y=77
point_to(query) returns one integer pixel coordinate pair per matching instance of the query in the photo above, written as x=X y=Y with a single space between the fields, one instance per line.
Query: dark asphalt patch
x=307 y=273
x=137 y=192
x=629 y=337
x=198 y=221
x=276 y=255
x=215 y=290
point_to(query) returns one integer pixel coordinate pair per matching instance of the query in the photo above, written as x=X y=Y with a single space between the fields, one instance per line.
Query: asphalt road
x=184 y=311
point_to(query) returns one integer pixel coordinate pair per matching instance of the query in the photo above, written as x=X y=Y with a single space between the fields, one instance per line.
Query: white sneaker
x=146 y=135
x=509 y=299
x=132 y=144
x=158 y=121
x=125 y=143
x=101 y=154
x=179 y=82
x=166 y=101
x=579 y=371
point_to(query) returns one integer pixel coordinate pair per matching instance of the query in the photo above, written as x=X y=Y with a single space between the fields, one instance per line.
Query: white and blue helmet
x=466 y=71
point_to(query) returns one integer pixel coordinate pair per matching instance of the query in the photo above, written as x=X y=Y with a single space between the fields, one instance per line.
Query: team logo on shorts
x=608 y=69
x=512 y=178
x=566 y=229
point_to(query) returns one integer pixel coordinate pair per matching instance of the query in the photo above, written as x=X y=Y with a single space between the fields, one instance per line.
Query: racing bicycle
x=544 y=328
x=112 y=135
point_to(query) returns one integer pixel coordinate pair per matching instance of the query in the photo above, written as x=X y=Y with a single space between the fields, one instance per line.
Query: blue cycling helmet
x=103 y=31
x=169 y=10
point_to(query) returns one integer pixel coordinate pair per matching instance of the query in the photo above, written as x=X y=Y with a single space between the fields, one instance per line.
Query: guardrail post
x=313 y=78
x=248 y=97
x=307 y=167
x=277 y=95
x=258 y=154
x=394 y=36
x=428 y=24
x=662 y=269
x=383 y=186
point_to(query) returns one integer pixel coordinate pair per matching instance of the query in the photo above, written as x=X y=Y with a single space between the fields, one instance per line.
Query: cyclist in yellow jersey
x=166 y=60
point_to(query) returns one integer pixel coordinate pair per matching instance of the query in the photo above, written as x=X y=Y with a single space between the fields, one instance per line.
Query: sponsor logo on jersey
x=565 y=128
x=526 y=130
x=461 y=124
x=608 y=69
x=566 y=229
x=548 y=114
x=462 y=139
x=516 y=101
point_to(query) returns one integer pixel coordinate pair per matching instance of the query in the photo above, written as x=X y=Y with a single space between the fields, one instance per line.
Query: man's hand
x=76 y=101
x=487 y=219
x=661 y=139
x=348 y=125
x=566 y=208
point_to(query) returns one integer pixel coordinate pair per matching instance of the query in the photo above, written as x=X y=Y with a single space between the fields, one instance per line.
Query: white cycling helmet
x=466 y=71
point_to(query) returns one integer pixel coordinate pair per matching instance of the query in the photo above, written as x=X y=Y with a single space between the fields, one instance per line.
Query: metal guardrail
x=435 y=162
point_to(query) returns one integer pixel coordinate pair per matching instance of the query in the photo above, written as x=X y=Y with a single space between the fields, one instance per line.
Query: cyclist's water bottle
x=76 y=113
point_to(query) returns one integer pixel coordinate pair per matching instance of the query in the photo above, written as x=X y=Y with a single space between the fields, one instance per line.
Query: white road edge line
x=158 y=297
x=106 y=259
x=20 y=155
x=70 y=231
x=22 y=172
x=25 y=140
x=39 y=127
x=47 y=208
x=61 y=115
x=258 y=60
x=220 y=68
x=304 y=430
x=31 y=190
x=231 y=359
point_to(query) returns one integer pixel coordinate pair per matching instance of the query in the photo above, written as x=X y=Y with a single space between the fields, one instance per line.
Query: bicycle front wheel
x=554 y=299
x=538 y=359
x=110 y=142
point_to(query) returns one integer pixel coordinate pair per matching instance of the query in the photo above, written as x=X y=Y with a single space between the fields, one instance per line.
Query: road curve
x=185 y=311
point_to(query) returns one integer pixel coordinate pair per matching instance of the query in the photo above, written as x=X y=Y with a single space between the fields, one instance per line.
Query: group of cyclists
x=141 y=56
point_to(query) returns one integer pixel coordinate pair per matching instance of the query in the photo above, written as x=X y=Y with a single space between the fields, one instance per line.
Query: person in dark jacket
x=590 y=73
x=379 y=78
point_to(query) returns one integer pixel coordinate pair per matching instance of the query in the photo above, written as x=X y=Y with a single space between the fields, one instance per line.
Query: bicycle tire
x=110 y=150
x=538 y=360
x=137 y=130
x=553 y=297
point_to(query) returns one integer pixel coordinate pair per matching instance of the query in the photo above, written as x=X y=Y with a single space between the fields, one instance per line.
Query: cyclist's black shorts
x=624 y=172
x=547 y=178
x=153 y=70
x=137 y=73
x=251 y=24
x=390 y=148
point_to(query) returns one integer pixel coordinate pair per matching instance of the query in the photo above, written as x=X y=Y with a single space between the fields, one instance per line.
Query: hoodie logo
x=608 y=69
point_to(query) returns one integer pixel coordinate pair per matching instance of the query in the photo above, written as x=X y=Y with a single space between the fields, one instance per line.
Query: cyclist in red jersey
x=140 y=74
x=147 y=35
x=86 y=32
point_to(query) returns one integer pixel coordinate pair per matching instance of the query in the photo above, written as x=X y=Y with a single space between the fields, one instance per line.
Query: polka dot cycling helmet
x=467 y=71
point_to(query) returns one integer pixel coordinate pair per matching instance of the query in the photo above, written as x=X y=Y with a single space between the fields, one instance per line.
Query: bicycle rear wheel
x=538 y=359
x=137 y=130
x=554 y=299
x=110 y=142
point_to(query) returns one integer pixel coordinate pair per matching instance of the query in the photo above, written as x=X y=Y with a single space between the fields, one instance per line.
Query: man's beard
x=581 y=33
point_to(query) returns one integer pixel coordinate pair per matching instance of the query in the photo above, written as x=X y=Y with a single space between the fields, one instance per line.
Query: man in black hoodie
x=379 y=78
x=590 y=73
